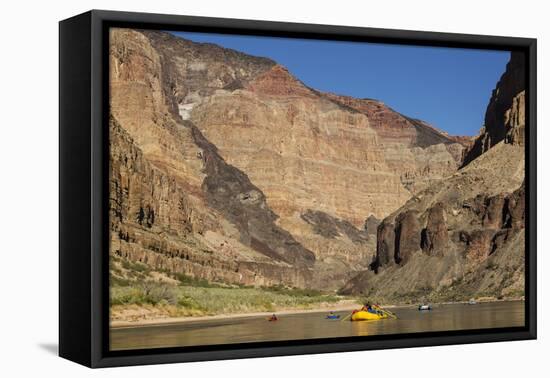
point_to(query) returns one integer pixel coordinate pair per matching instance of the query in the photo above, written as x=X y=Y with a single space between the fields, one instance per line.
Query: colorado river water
x=314 y=325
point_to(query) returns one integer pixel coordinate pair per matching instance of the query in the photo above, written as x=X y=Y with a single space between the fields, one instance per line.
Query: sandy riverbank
x=344 y=305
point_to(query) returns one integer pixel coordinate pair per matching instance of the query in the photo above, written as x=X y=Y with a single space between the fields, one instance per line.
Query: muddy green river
x=315 y=325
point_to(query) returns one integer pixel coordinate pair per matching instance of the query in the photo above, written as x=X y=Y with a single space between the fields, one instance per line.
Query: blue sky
x=449 y=88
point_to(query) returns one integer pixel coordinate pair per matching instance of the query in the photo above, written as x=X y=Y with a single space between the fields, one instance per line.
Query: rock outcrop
x=514 y=121
x=505 y=115
x=407 y=236
x=458 y=245
x=385 y=245
x=435 y=237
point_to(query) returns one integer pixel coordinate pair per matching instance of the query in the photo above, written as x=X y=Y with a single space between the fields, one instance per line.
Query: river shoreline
x=344 y=305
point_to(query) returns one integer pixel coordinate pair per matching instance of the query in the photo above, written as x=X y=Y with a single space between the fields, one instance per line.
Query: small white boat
x=426 y=307
x=472 y=302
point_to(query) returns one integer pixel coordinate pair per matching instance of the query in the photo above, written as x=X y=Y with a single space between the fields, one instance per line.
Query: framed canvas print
x=233 y=188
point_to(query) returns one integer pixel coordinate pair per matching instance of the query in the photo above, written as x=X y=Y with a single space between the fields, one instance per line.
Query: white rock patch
x=197 y=66
x=185 y=110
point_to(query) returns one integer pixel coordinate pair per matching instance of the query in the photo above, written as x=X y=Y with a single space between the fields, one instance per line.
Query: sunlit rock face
x=177 y=205
x=307 y=150
x=420 y=153
x=227 y=167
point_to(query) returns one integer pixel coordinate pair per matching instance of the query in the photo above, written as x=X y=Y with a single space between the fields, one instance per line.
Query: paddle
x=346 y=317
x=387 y=312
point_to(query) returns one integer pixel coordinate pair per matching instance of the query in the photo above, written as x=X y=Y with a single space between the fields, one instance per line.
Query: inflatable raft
x=362 y=315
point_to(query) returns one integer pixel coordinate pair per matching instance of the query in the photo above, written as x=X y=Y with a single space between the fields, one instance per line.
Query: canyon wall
x=463 y=236
x=226 y=167
x=176 y=205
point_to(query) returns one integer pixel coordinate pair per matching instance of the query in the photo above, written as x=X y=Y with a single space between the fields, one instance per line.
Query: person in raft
x=368 y=307
x=273 y=317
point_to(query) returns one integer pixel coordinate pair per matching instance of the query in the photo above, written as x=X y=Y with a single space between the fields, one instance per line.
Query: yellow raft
x=366 y=315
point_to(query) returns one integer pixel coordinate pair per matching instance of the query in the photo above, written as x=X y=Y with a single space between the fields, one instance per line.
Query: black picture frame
x=83 y=182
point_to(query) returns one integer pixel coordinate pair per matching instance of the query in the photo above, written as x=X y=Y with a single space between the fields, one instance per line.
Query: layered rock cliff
x=463 y=236
x=154 y=93
x=155 y=221
x=177 y=205
x=419 y=152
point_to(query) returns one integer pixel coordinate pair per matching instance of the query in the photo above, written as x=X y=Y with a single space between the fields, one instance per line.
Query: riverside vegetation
x=162 y=294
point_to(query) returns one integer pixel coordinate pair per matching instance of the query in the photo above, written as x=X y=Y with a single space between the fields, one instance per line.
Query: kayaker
x=273 y=317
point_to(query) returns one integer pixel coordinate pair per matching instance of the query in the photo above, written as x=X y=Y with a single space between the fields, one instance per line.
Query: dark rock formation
x=385 y=245
x=435 y=237
x=407 y=236
x=479 y=244
x=500 y=239
x=493 y=217
x=515 y=209
x=501 y=217
x=331 y=227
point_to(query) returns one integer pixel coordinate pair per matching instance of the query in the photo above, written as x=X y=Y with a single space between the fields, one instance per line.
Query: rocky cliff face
x=178 y=205
x=155 y=221
x=452 y=250
x=419 y=152
x=464 y=235
x=295 y=145
x=226 y=167
x=161 y=87
x=435 y=237
x=505 y=117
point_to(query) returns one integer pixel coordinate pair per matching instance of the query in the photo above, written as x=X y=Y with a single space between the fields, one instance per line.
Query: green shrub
x=118 y=281
x=186 y=280
x=293 y=291
x=146 y=293
x=135 y=266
